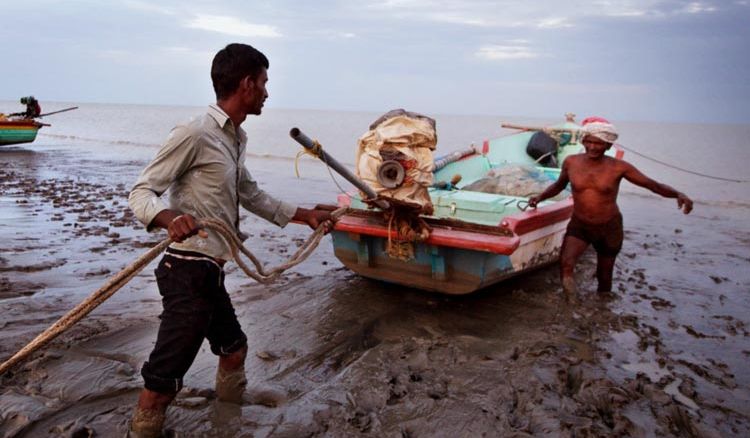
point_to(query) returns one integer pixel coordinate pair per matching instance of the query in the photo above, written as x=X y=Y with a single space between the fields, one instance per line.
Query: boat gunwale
x=22 y=123
x=498 y=240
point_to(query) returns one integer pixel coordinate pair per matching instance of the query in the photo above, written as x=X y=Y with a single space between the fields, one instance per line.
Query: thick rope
x=120 y=279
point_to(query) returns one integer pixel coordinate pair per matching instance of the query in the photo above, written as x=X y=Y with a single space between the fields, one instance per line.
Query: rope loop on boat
x=260 y=274
x=316 y=150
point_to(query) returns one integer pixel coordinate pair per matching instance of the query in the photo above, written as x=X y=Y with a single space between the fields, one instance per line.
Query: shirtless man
x=595 y=180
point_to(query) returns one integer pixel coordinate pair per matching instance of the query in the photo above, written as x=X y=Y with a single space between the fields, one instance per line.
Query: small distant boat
x=22 y=127
x=477 y=238
x=18 y=131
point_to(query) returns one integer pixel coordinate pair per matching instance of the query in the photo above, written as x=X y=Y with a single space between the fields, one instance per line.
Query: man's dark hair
x=231 y=64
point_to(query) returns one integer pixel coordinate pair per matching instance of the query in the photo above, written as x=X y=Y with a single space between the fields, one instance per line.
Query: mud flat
x=333 y=354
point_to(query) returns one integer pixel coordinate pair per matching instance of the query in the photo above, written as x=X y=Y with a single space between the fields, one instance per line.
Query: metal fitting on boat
x=390 y=174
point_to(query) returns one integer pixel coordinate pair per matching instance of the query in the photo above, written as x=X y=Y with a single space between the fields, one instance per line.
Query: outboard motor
x=395 y=158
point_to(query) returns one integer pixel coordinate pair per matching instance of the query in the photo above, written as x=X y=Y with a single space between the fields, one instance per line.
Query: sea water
x=137 y=131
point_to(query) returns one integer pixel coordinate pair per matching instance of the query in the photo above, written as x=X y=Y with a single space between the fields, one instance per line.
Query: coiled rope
x=261 y=275
x=683 y=170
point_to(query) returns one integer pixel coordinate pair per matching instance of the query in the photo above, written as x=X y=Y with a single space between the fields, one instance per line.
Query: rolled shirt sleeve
x=260 y=203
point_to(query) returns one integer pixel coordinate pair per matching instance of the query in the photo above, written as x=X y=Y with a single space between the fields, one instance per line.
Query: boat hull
x=18 y=131
x=449 y=271
x=449 y=261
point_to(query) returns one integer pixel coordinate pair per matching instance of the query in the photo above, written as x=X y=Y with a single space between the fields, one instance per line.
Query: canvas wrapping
x=411 y=138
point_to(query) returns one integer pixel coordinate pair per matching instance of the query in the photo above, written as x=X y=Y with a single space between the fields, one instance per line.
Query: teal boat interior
x=489 y=208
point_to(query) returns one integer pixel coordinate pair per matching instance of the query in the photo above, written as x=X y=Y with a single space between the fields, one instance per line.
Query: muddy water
x=333 y=354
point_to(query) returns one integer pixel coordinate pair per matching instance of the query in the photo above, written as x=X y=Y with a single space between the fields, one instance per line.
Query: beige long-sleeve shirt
x=202 y=165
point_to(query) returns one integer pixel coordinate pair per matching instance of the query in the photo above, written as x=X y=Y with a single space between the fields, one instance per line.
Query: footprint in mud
x=396 y=391
x=681 y=424
x=265 y=396
x=573 y=380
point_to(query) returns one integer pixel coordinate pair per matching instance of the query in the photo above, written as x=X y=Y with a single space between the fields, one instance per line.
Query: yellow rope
x=316 y=151
x=123 y=277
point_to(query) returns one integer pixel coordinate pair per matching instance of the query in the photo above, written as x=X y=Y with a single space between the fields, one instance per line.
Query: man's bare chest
x=595 y=180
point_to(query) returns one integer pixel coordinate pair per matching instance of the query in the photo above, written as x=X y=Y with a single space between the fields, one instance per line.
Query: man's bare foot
x=146 y=423
x=570 y=290
x=230 y=385
x=149 y=414
x=606 y=295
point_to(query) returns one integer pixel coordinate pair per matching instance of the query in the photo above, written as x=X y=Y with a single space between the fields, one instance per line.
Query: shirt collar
x=222 y=119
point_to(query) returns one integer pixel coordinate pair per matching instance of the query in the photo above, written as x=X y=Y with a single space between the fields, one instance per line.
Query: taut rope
x=692 y=172
x=119 y=280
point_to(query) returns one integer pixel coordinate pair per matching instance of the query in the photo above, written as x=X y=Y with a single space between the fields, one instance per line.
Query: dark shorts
x=606 y=238
x=196 y=307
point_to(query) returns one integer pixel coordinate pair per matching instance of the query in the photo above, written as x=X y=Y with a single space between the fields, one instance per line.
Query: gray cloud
x=650 y=59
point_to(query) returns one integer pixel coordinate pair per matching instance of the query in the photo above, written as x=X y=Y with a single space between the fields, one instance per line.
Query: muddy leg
x=230 y=376
x=605 y=265
x=148 y=418
x=572 y=248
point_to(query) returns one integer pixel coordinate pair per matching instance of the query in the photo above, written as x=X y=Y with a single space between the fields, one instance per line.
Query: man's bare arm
x=636 y=177
x=555 y=188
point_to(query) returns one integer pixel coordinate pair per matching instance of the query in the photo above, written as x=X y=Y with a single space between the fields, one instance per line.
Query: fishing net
x=514 y=180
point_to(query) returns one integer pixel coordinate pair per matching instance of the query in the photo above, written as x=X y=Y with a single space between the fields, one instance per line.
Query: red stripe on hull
x=20 y=124
x=439 y=236
x=532 y=220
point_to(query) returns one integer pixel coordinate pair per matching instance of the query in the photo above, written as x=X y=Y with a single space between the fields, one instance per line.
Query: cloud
x=157 y=56
x=458 y=18
x=569 y=88
x=517 y=49
x=554 y=23
x=516 y=14
x=631 y=13
x=232 y=26
x=698 y=8
x=139 y=5
x=335 y=34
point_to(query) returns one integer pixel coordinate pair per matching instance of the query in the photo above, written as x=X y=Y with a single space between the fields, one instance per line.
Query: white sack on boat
x=405 y=137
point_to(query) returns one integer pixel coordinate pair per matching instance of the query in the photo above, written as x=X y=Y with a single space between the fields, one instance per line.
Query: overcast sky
x=659 y=60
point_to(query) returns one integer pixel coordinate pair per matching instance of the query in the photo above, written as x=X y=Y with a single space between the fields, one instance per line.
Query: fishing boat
x=22 y=127
x=477 y=239
x=15 y=131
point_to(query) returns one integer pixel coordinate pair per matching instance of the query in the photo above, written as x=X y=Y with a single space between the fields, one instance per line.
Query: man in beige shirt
x=201 y=164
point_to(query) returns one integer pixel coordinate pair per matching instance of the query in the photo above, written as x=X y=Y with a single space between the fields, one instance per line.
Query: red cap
x=592 y=119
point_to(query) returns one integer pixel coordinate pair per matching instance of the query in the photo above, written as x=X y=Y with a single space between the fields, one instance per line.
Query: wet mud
x=334 y=354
